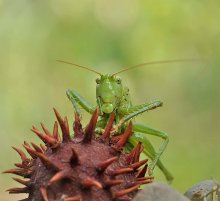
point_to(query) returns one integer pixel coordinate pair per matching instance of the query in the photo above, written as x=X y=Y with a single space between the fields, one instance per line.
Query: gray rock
x=159 y=192
x=208 y=190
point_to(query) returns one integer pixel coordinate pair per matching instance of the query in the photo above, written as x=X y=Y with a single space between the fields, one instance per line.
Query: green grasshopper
x=112 y=96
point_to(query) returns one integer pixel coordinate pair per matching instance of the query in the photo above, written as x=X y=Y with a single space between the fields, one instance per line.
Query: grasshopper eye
x=118 y=80
x=97 y=81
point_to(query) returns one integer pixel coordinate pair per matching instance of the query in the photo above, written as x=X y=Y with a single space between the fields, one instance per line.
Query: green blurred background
x=108 y=35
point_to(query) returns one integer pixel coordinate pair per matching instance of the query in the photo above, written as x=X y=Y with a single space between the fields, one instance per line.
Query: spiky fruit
x=83 y=167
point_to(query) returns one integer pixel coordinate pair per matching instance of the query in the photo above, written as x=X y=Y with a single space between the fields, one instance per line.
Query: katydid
x=113 y=97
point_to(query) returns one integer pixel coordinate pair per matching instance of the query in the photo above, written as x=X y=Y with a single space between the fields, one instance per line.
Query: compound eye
x=118 y=80
x=97 y=81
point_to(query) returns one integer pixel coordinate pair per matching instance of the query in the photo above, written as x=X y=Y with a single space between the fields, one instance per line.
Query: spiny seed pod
x=80 y=168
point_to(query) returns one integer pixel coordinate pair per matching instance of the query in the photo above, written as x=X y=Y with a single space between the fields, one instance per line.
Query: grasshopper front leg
x=77 y=100
x=131 y=112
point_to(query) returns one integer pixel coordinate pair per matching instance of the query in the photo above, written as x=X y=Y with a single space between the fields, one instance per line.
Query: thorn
x=146 y=181
x=45 y=130
x=48 y=163
x=26 y=173
x=18 y=190
x=44 y=193
x=116 y=138
x=13 y=171
x=67 y=125
x=55 y=131
x=138 y=164
x=121 y=171
x=63 y=126
x=21 y=181
x=43 y=148
x=141 y=182
x=89 y=182
x=134 y=156
x=28 y=146
x=25 y=143
x=126 y=191
x=123 y=140
x=101 y=167
x=74 y=198
x=138 y=153
x=108 y=127
x=30 y=151
x=74 y=157
x=113 y=182
x=19 y=165
x=90 y=128
x=46 y=138
x=39 y=134
x=21 y=153
x=57 y=177
x=142 y=172
x=77 y=127
x=144 y=178
x=37 y=148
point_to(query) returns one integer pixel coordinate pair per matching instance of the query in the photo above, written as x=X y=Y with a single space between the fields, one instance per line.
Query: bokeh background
x=107 y=35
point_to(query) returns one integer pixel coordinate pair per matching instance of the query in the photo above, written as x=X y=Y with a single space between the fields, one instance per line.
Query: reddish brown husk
x=83 y=167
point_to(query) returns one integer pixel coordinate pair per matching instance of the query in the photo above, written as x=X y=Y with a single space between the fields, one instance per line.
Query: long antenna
x=66 y=62
x=156 y=62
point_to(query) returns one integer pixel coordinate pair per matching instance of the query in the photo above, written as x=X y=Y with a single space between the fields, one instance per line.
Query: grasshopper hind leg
x=139 y=134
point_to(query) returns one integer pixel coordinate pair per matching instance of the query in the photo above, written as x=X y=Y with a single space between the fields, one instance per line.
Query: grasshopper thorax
x=109 y=92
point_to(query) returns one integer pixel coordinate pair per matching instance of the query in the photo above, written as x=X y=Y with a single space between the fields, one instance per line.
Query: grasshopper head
x=108 y=92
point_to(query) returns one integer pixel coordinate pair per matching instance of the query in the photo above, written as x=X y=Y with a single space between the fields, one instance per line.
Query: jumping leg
x=150 y=152
x=147 y=130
